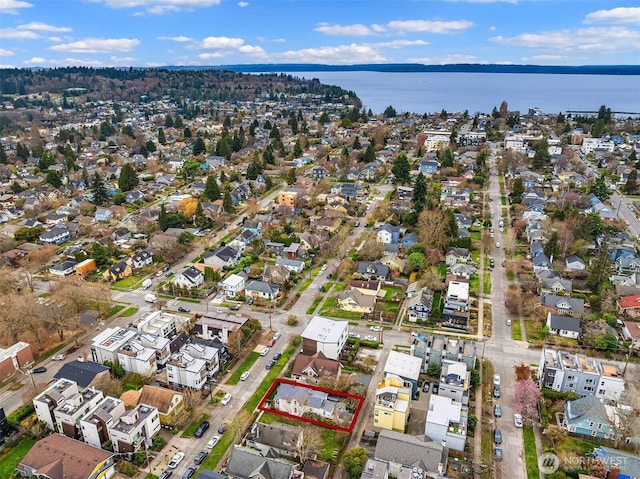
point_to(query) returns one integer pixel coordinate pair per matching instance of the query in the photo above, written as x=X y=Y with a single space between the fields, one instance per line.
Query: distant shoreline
x=418 y=68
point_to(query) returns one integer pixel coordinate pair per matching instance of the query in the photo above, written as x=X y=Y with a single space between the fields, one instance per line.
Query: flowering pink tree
x=525 y=400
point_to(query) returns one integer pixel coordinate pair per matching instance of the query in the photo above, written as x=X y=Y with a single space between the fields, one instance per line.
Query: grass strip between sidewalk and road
x=530 y=453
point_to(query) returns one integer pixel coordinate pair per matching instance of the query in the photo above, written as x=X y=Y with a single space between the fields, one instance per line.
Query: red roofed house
x=631 y=332
x=630 y=305
x=61 y=457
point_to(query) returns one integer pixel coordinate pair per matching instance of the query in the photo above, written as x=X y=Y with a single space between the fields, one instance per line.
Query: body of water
x=480 y=92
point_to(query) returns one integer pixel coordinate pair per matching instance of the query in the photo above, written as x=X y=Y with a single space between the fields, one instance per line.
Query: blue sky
x=99 y=33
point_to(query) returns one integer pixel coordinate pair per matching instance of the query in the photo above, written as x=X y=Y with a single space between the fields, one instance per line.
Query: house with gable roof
x=315 y=368
x=284 y=440
x=246 y=463
x=563 y=304
x=373 y=270
x=420 y=305
x=565 y=326
x=190 y=277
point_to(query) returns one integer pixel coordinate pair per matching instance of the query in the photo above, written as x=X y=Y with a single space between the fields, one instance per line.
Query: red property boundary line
x=315 y=422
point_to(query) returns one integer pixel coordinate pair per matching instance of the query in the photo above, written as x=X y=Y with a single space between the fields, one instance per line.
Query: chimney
x=614 y=471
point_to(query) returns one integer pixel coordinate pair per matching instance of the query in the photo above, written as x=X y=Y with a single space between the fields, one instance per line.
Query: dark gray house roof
x=414 y=451
x=82 y=372
x=564 y=323
x=576 y=305
x=249 y=463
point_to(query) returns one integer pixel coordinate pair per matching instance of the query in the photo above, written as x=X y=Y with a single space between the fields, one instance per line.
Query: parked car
x=496 y=379
x=375 y=328
x=271 y=343
x=182 y=309
x=277 y=356
x=435 y=388
x=166 y=474
x=176 y=459
x=517 y=420
x=200 y=457
x=497 y=410
x=222 y=429
x=497 y=453
x=497 y=436
x=370 y=337
x=354 y=335
x=425 y=386
x=202 y=428
x=508 y=322
x=189 y=473
x=496 y=391
x=277 y=335
x=244 y=376
x=270 y=364
x=58 y=357
x=39 y=370
x=212 y=443
x=235 y=307
x=225 y=400
x=264 y=352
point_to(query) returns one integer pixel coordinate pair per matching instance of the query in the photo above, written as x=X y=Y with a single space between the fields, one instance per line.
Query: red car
x=271 y=343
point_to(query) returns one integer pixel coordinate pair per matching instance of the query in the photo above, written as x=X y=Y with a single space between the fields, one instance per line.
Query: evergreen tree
x=22 y=151
x=199 y=219
x=177 y=123
x=401 y=169
x=168 y=121
x=85 y=176
x=599 y=188
x=223 y=178
x=100 y=195
x=161 y=139
x=356 y=143
x=254 y=169
x=199 y=146
x=53 y=178
x=447 y=161
x=268 y=182
x=419 y=196
x=3 y=155
x=389 y=112
x=163 y=218
x=128 y=179
x=100 y=254
x=151 y=146
x=517 y=189
x=542 y=158
x=187 y=133
x=227 y=203
x=211 y=188
x=631 y=186
x=297 y=150
x=552 y=247
x=268 y=157
x=290 y=177
x=369 y=154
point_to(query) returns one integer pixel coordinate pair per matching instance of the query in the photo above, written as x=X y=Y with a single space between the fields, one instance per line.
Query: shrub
x=15 y=418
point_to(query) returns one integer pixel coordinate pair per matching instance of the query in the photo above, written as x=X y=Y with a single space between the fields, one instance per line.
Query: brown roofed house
x=61 y=457
x=169 y=402
x=315 y=368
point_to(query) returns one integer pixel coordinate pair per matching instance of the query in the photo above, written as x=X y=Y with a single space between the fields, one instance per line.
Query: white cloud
x=355 y=30
x=180 y=38
x=12 y=6
x=89 y=62
x=98 y=45
x=429 y=26
x=446 y=59
x=209 y=56
x=253 y=51
x=15 y=34
x=613 y=39
x=616 y=16
x=398 y=43
x=243 y=4
x=43 y=27
x=341 y=54
x=159 y=7
x=545 y=58
x=221 y=43
x=278 y=40
x=6 y=53
x=492 y=28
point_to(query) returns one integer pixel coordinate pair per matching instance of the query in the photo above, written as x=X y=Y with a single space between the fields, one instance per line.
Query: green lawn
x=130 y=312
x=305 y=285
x=339 y=287
x=191 y=428
x=126 y=282
x=10 y=461
x=389 y=292
x=534 y=331
x=442 y=271
x=530 y=454
x=516 y=333
x=475 y=236
x=486 y=283
x=314 y=305
x=115 y=310
x=474 y=285
x=511 y=275
x=245 y=366
x=503 y=200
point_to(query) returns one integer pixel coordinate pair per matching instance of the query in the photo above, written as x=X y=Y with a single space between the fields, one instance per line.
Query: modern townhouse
x=105 y=346
x=455 y=381
x=392 y=405
x=135 y=429
x=446 y=422
x=436 y=349
x=405 y=367
x=233 y=285
x=183 y=370
x=96 y=423
x=325 y=335
x=48 y=400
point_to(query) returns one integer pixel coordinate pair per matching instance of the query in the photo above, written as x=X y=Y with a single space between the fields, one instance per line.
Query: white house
x=325 y=335
x=565 y=326
x=190 y=277
x=136 y=358
x=135 y=429
x=105 y=346
x=95 y=425
x=186 y=371
x=446 y=422
x=49 y=399
x=232 y=285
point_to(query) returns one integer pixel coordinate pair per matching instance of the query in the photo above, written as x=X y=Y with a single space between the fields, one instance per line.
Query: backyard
x=10 y=460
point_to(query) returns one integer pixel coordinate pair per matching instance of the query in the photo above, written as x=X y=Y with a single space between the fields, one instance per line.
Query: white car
x=58 y=357
x=277 y=336
x=370 y=337
x=226 y=399
x=497 y=245
x=375 y=328
x=175 y=460
x=496 y=379
x=354 y=335
x=517 y=420
x=244 y=376
x=264 y=352
x=212 y=443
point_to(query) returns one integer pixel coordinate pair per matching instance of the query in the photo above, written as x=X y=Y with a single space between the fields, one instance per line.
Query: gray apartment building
x=434 y=349
x=564 y=372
